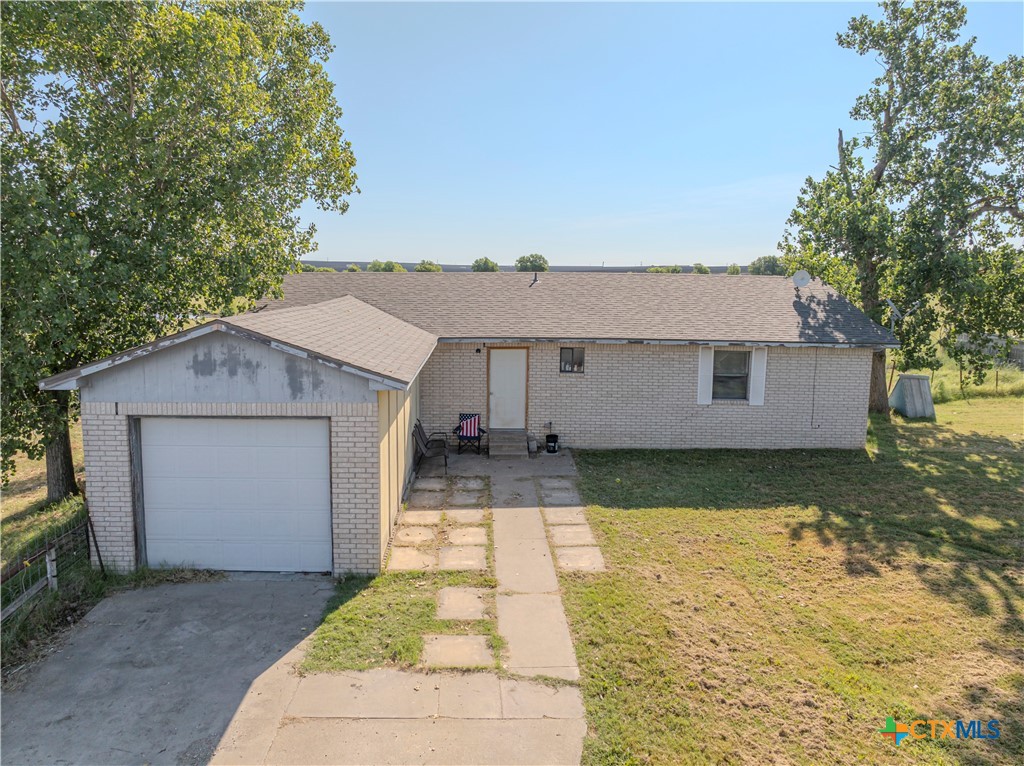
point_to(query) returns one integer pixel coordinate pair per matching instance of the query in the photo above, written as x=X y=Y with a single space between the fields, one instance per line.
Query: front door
x=507 y=388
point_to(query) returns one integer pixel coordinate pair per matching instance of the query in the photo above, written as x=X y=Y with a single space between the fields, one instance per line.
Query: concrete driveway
x=155 y=675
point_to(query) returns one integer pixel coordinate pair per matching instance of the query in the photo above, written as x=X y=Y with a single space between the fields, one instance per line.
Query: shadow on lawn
x=944 y=507
x=950 y=503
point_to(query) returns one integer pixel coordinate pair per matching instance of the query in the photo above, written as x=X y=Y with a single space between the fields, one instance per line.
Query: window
x=571 y=360
x=731 y=375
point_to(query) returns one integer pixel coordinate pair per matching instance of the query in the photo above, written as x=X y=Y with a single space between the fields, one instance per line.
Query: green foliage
x=532 y=262
x=427 y=266
x=385 y=266
x=307 y=268
x=732 y=268
x=353 y=267
x=767 y=265
x=665 y=270
x=926 y=208
x=700 y=268
x=155 y=157
x=484 y=264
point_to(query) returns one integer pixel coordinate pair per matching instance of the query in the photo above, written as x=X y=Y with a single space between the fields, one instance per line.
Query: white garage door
x=237 y=493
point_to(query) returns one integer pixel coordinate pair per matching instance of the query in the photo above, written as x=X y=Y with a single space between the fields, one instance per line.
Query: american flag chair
x=468 y=431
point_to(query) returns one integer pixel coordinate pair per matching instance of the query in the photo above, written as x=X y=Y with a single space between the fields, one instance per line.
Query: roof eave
x=877 y=345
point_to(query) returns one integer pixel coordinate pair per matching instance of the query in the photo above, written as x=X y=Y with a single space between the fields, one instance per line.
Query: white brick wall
x=635 y=395
x=355 y=473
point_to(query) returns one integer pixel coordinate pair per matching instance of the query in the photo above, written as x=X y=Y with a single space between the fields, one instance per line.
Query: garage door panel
x=239 y=461
x=239 y=494
x=242 y=494
x=197 y=461
x=306 y=492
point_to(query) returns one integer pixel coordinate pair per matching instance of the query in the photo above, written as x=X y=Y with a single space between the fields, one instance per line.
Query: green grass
x=1003 y=380
x=25 y=516
x=768 y=607
x=381 y=621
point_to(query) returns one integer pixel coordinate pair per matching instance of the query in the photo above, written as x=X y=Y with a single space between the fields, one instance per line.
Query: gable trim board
x=73 y=379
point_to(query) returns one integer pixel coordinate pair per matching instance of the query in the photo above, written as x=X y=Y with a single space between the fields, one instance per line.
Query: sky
x=592 y=133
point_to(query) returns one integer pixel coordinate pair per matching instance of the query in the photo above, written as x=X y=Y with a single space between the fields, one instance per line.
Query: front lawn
x=766 y=607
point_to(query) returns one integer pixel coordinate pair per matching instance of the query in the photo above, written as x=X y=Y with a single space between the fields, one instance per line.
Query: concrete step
x=507 y=437
x=508 y=444
x=508 y=450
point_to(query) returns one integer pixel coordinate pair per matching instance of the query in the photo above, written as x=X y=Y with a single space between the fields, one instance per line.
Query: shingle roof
x=594 y=306
x=348 y=331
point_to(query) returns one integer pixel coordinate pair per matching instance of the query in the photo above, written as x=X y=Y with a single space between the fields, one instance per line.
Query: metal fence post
x=51 y=567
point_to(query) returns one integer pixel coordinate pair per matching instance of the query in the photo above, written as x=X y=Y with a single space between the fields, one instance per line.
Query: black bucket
x=552 y=440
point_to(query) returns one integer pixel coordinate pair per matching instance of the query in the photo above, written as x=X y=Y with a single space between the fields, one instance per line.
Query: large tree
x=767 y=265
x=532 y=262
x=389 y=266
x=155 y=156
x=925 y=209
x=484 y=264
x=427 y=266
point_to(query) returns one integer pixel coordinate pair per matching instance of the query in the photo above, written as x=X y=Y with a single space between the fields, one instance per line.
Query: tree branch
x=9 y=113
x=842 y=165
x=1013 y=211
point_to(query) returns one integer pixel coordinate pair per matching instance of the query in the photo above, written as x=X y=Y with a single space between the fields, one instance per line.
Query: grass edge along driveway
x=778 y=606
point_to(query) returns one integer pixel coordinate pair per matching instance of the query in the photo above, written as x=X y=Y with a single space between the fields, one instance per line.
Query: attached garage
x=237 y=493
x=273 y=441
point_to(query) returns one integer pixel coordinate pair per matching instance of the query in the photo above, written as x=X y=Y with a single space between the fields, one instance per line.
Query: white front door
x=507 y=388
x=237 y=493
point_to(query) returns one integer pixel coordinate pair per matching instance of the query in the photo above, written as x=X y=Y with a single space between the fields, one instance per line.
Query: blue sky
x=590 y=132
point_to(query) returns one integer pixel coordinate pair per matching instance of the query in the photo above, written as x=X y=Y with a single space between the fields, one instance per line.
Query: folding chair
x=468 y=431
x=430 y=446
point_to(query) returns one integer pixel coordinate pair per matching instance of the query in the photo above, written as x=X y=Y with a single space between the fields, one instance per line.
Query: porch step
x=508 y=444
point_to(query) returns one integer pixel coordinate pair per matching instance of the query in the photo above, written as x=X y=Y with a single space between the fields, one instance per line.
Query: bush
x=385 y=266
x=665 y=270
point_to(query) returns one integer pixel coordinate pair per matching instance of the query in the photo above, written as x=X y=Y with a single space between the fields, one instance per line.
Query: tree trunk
x=878 y=400
x=60 y=464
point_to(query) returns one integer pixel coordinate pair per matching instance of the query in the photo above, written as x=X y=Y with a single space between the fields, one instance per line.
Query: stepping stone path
x=538 y=524
x=461 y=604
x=457 y=652
x=468 y=536
x=414 y=535
x=466 y=558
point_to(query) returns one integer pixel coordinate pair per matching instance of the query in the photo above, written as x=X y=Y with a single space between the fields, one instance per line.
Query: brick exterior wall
x=635 y=395
x=355 y=473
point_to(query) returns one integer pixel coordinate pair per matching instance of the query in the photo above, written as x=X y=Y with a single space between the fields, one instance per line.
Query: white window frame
x=756 y=375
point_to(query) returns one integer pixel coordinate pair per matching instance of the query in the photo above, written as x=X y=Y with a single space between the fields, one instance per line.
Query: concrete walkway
x=441 y=715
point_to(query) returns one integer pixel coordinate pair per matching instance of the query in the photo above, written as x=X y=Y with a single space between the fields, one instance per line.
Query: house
x=280 y=439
